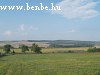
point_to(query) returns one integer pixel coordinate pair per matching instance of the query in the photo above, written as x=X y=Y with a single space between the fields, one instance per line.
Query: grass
x=51 y=64
x=51 y=50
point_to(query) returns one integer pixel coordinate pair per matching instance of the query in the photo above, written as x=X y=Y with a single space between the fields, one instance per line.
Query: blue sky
x=77 y=20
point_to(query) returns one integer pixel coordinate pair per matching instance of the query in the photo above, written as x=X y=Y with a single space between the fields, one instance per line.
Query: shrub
x=69 y=51
x=24 y=48
x=93 y=49
x=35 y=48
x=7 y=48
x=13 y=52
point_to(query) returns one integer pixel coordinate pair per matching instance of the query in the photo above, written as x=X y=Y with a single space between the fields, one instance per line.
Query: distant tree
x=0 y=54
x=93 y=49
x=35 y=48
x=24 y=48
x=7 y=48
x=13 y=52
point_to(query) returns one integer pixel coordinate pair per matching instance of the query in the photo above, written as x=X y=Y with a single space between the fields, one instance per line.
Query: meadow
x=51 y=64
x=61 y=50
x=53 y=50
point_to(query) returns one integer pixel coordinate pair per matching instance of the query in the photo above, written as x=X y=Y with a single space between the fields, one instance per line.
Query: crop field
x=55 y=50
x=51 y=64
x=50 y=50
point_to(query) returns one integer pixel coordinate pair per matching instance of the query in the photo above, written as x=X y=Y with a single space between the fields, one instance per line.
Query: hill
x=52 y=43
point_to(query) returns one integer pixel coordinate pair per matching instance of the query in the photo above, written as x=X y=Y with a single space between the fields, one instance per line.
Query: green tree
x=35 y=48
x=7 y=48
x=93 y=49
x=13 y=52
x=24 y=48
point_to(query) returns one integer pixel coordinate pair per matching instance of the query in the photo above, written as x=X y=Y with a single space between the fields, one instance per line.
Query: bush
x=35 y=48
x=2 y=54
x=24 y=48
x=7 y=48
x=93 y=49
x=13 y=52
x=70 y=51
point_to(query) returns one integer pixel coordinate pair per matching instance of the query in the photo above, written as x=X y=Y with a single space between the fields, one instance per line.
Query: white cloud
x=25 y=30
x=33 y=28
x=68 y=31
x=8 y=33
x=77 y=9
x=72 y=31
x=22 y=27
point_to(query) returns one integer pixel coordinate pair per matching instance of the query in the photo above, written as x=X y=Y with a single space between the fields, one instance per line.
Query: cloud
x=68 y=31
x=25 y=30
x=22 y=27
x=33 y=28
x=72 y=31
x=77 y=9
x=8 y=33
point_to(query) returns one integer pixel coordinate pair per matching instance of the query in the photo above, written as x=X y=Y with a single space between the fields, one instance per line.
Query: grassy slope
x=51 y=64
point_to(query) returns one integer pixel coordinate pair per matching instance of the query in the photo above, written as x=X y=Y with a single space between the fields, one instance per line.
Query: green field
x=51 y=64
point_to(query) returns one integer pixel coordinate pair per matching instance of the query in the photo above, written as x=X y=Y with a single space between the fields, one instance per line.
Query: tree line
x=34 y=48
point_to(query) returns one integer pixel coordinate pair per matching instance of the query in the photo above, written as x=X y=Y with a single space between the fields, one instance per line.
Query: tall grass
x=51 y=64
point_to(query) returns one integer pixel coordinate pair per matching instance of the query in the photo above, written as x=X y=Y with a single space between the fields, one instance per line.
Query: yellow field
x=51 y=50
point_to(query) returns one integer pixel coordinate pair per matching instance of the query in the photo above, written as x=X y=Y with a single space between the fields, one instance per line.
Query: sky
x=77 y=20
